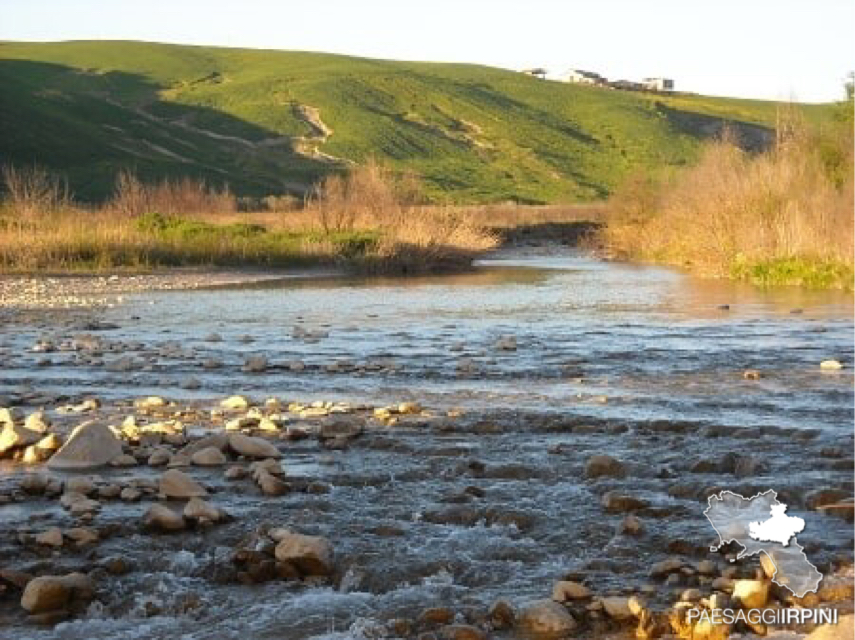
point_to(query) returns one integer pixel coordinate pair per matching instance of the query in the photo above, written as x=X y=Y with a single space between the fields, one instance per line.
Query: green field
x=474 y=133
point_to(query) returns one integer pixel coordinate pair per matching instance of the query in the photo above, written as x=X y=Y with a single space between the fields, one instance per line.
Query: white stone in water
x=830 y=365
x=152 y=402
x=235 y=403
x=37 y=421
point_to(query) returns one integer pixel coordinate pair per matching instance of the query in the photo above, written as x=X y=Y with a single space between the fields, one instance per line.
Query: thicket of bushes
x=783 y=216
x=369 y=218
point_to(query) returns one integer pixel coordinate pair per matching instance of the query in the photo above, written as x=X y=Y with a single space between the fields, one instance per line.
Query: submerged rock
x=90 y=445
x=599 y=466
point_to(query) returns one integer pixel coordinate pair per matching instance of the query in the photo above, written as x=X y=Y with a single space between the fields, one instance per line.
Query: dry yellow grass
x=368 y=219
x=783 y=216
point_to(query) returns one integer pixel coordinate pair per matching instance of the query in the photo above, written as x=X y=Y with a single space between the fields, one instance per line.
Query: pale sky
x=776 y=49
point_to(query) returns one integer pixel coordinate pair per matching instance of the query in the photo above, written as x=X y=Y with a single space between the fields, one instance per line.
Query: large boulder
x=545 y=620
x=90 y=445
x=252 y=447
x=51 y=593
x=310 y=555
x=177 y=484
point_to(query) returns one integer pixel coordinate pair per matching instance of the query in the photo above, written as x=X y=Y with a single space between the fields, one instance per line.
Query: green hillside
x=273 y=121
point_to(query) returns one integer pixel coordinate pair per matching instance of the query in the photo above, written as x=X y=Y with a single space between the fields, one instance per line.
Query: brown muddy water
x=526 y=368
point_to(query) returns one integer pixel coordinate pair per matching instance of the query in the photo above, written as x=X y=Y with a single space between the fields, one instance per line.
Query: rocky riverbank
x=101 y=500
x=82 y=291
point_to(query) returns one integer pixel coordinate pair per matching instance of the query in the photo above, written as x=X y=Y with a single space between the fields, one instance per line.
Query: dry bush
x=413 y=237
x=132 y=198
x=32 y=192
x=367 y=195
x=793 y=202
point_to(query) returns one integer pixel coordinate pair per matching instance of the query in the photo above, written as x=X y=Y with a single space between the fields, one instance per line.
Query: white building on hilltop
x=577 y=76
x=658 y=84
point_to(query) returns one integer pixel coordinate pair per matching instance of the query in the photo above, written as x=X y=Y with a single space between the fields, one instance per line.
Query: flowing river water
x=542 y=361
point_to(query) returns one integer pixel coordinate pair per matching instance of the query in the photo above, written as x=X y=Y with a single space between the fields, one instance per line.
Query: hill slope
x=275 y=121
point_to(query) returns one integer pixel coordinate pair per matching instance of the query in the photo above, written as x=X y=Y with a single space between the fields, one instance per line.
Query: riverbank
x=63 y=291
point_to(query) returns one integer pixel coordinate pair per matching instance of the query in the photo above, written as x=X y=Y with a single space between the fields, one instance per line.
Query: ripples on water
x=645 y=355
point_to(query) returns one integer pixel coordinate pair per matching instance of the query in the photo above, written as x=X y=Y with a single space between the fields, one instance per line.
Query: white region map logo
x=760 y=524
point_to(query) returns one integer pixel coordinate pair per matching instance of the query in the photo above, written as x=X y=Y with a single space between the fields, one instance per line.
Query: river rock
x=11 y=415
x=124 y=460
x=50 y=593
x=310 y=555
x=630 y=526
x=753 y=594
x=252 y=447
x=159 y=457
x=270 y=485
x=37 y=421
x=208 y=457
x=339 y=429
x=830 y=365
x=177 y=484
x=600 y=466
x=255 y=364
x=545 y=620
x=502 y=614
x=15 y=436
x=462 y=632
x=51 y=538
x=161 y=518
x=665 y=567
x=565 y=590
x=152 y=402
x=198 y=509
x=90 y=445
x=82 y=536
x=617 y=608
x=235 y=403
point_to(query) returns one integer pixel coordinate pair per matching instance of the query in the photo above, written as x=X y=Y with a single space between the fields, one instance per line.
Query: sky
x=773 y=49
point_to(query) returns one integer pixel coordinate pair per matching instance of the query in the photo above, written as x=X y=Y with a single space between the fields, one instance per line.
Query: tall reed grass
x=369 y=219
x=784 y=216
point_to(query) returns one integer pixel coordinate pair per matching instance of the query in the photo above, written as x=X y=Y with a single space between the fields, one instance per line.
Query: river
x=543 y=360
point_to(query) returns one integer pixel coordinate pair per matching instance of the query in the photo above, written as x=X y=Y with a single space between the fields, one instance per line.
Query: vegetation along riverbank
x=782 y=216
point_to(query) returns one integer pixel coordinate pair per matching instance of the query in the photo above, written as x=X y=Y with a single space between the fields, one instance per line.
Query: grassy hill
x=271 y=122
